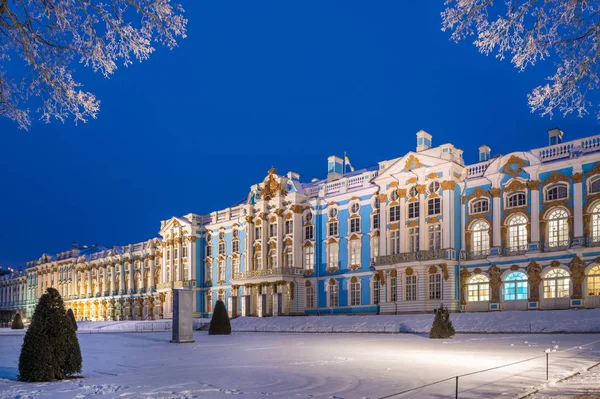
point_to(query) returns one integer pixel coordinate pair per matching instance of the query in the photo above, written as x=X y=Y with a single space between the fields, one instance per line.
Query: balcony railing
x=410 y=256
x=516 y=250
x=557 y=246
x=290 y=271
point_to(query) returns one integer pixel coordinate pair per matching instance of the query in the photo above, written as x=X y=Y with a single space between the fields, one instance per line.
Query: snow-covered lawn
x=291 y=365
x=583 y=386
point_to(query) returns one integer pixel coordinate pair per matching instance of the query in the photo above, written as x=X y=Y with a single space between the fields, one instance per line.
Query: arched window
x=374 y=246
x=257 y=259
x=309 y=258
x=556 y=284
x=558 y=228
x=516 y=199
x=515 y=287
x=355 y=292
x=517 y=233
x=480 y=205
x=594 y=186
x=480 y=238
x=333 y=298
x=478 y=288
x=595 y=227
x=289 y=256
x=376 y=290
x=235 y=265
x=593 y=281
x=310 y=295
x=333 y=251
x=557 y=192
x=272 y=258
x=355 y=249
x=221 y=267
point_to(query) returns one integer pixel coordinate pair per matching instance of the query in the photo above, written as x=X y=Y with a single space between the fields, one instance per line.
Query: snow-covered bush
x=442 y=326
x=219 y=324
x=50 y=348
x=17 y=323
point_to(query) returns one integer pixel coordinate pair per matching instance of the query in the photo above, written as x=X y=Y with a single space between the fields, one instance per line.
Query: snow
x=255 y=365
x=583 y=385
x=572 y=320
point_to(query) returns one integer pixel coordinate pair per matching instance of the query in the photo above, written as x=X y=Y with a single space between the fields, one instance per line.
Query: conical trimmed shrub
x=442 y=326
x=72 y=318
x=17 y=323
x=50 y=348
x=219 y=324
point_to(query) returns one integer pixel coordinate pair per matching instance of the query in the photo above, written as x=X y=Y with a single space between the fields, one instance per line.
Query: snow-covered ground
x=256 y=365
x=582 y=386
x=550 y=321
x=573 y=320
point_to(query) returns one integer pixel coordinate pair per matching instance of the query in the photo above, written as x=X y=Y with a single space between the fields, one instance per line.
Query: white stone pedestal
x=183 y=323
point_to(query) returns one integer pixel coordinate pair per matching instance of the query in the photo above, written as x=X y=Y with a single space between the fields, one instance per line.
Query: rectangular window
x=375 y=247
x=394 y=213
x=435 y=286
x=434 y=207
x=435 y=236
x=411 y=288
x=221 y=248
x=176 y=252
x=184 y=252
x=235 y=246
x=209 y=250
x=308 y=233
x=376 y=221
x=309 y=258
x=273 y=230
x=393 y=289
x=289 y=226
x=333 y=296
x=310 y=297
x=258 y=233
x=235 y=265
x=413 y=239
x=333 y=229
x=355 y=252
x=169 y=255
x=354 y=294
x=518 y=199
x=376 y=292
x=209 y=308
x=395 y=241
x=355 y=225
x=208 y=272
x=221 y=270
x=413 y=210
x=333 y=255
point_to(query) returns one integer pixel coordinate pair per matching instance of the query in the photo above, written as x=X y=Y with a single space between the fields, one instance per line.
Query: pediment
x=174 y=222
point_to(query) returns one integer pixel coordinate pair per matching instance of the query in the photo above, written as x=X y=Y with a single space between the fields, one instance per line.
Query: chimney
x=484 y=153
x=555 y=136
x=423 y=140
x=74 y=245
x=335 y=167
x=293 y=176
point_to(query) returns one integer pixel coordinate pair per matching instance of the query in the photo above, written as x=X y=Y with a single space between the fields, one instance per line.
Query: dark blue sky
x=257 y=84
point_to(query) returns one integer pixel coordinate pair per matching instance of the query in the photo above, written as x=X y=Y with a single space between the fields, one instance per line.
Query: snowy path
x=583 y=386
x=255 y=365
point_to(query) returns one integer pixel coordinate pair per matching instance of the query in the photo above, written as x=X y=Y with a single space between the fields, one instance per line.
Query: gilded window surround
x=469 y=231
x=515 y=185
x=513 y=160
x=433 y=220
x=478 y=192
x=409 y=271
x=587 y=215
x=507 y=215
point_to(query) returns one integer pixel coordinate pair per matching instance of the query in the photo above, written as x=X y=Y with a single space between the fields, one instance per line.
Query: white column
x=402 y=230
x=112 y=278
x=496 y=218
x=152 y=283
x=75 y=287
x=122 y=278
x=577 y=207
x=89 y=289
x=383 y=221
x=423 y=234
x=446 y=217
x=248 y=248
x=535 y=212
x=105 y=280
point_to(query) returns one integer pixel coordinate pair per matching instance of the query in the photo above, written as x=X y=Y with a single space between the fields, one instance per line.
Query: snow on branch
x=531 y=30
x=51 y=36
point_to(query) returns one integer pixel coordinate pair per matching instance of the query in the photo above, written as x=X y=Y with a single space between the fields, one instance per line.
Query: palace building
x=516 y=231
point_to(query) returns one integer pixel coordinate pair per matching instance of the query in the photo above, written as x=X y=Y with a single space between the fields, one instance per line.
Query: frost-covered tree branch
x=531 y=30
x=41 y=41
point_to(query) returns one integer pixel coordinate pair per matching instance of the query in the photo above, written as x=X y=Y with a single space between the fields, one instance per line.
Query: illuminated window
x=478 y=288
x=515 y=287
x=556 y=284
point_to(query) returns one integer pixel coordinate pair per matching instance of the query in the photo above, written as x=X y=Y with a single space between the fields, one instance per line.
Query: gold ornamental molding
x=594 y=171
x=421 y=188
x=448 y=185
x=401 y=192
x=495 y=192
x=515 y=185
x=393 y=184
x=433 y=219
x=534 y=184
x=514 y=166
x=412 y=180
x=432 y=175
x=412 y=162
x=478 y=192
x=555 y=177
x=409 y=271
x=297 y=209
x=382 y=198
x=577 y=177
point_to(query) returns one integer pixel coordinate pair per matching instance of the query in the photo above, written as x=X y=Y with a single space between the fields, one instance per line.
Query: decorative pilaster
x=423 y=241
x=578 y=235
x=383 y=221
x=496 y=221
x=534 y=186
